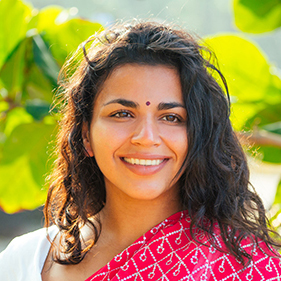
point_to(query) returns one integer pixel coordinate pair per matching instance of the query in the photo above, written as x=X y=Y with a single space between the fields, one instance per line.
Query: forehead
x=143 y=83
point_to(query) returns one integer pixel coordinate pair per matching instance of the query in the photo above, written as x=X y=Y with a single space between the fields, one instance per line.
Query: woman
x=150 y=182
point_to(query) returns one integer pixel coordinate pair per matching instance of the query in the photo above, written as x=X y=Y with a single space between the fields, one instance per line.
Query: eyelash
x=115 y=114
x=176 y=119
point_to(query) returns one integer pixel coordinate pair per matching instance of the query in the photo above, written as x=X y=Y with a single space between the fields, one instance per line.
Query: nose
x=146 y=133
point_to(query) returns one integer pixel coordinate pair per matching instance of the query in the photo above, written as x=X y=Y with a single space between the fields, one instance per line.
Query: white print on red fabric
x=167 y=252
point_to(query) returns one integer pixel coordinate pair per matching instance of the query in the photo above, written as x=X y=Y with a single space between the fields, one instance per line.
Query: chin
x=148 y=194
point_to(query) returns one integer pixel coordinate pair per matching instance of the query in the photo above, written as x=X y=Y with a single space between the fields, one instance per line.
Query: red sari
x=167 y=252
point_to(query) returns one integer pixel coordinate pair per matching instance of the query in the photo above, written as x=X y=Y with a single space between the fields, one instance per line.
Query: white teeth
x=144 y=162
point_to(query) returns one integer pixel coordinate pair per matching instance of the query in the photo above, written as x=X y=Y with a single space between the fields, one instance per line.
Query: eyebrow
x=124 y=102
x=169 y=105
x=132 y=104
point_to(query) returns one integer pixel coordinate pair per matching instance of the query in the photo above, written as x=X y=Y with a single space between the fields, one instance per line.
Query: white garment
x=24 y=257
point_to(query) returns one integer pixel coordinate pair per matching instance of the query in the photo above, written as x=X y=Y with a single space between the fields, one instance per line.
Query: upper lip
x=145 y=156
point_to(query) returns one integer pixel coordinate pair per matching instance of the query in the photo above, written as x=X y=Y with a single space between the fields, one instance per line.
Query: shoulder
x=25 y=255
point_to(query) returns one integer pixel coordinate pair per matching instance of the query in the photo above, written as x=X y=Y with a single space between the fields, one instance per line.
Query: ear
x=86 y=139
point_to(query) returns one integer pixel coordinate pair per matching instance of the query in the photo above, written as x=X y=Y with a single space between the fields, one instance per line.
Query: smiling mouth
x=143 y=162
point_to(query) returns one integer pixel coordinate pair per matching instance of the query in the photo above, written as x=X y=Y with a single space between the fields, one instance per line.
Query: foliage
x=254 y=86
x=257 y=16
x=36 y=45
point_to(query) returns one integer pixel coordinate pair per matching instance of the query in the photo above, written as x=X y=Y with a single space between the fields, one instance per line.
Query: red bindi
x=147 y=103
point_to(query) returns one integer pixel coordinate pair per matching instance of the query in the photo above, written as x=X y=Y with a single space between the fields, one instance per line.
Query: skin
x=126 y=127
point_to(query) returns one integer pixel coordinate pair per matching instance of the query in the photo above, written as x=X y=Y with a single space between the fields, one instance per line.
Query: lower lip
x=142 y=170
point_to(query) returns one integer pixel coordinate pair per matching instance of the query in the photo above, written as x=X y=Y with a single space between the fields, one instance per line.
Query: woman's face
x=138 y=131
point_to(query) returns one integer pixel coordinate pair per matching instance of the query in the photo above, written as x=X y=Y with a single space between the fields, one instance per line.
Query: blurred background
x=35 y=39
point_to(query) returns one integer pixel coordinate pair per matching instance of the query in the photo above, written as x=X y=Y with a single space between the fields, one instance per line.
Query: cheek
x=177 y=140
x=106 y=139
x=100 y=140
x=181 y=147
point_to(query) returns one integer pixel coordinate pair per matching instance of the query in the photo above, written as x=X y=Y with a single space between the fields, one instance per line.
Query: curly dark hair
x=214 y=177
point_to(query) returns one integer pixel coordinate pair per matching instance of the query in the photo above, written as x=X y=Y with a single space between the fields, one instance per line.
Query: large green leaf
x=250 y=80
x=44 y=59
x=13 y=74
x=30 y=71
x=47 y=18
x=23 y=166
x=66 y=37
x=257 y=16
x=14 y=118
x=37 y=108
x=271 y=113
x=15 y=16
x=38 y=85
x=268 y=153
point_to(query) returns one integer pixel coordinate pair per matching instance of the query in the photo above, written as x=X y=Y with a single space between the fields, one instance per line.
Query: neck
x=126 y=219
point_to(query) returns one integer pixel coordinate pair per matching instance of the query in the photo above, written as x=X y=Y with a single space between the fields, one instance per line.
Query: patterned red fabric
x=167 y=252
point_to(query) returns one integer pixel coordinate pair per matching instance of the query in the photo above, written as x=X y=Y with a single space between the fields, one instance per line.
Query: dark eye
x=121 y=114
x=172 y=118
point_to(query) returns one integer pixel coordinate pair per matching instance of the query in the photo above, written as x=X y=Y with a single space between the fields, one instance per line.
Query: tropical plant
x=255 y=88
x=258 y=17
x=34 y=45
x=254 y=16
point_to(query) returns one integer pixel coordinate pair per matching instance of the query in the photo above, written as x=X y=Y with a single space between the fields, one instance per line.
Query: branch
x=260 y=137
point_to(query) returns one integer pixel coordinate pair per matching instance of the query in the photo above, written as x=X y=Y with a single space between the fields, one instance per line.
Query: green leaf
x=273 y=127
x=47 y=18
x=67 y=36
x=37 y=108
x=24 y=138
x=38 y=85
x=15 y=16
x=14 y=118
x=18 y=190
x=44 y=59
x=268 y=115
x=30 y=76
x=250 y=80
x=4 y=106
x=256 y=16
x=241 y=113
x=23 y=166
x=13 y=73
x=268 y=153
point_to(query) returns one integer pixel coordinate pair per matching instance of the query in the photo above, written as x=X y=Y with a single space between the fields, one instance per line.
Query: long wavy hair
x=214 y=177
